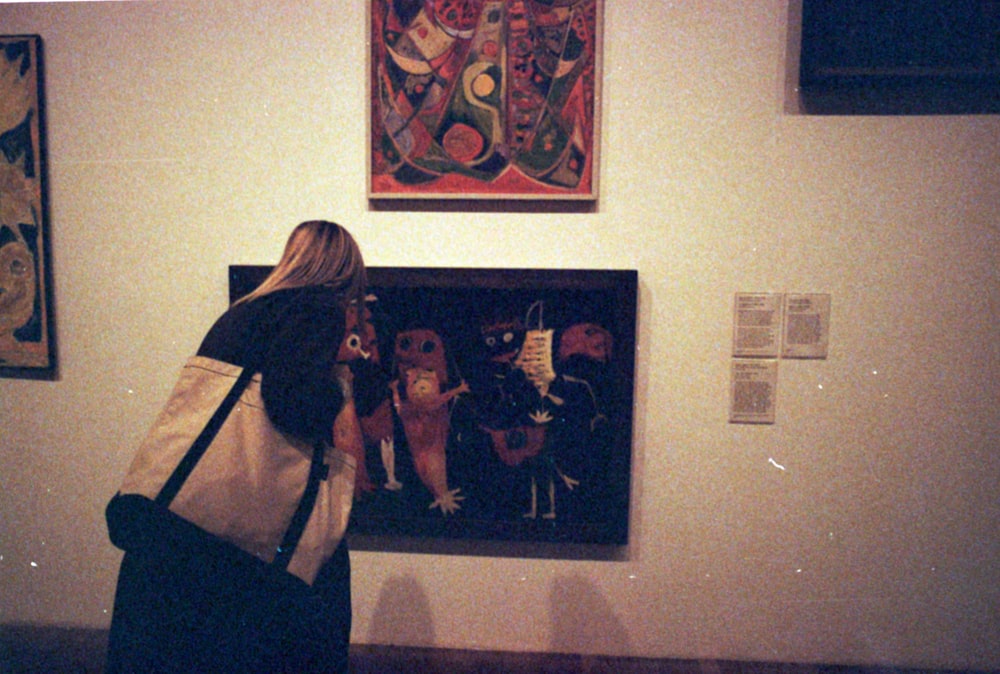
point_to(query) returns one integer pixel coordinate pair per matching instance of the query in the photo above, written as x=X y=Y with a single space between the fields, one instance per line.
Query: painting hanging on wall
x=26 y=342
x=484 y=99
x=495 y=404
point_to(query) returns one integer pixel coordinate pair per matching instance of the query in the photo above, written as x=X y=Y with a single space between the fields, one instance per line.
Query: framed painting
x=484 y=99
x=26 y=335
x=496 y=404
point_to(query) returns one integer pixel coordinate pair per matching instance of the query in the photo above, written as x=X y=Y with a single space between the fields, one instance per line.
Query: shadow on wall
x=402 y=614
x=583 y=621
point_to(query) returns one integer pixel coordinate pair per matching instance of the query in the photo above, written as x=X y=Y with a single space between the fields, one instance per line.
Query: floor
x=54 y=650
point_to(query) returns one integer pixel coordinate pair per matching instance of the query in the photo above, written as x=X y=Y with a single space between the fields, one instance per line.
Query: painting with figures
x=495 y=403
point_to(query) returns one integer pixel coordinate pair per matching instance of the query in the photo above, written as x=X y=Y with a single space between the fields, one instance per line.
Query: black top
x=291 y=337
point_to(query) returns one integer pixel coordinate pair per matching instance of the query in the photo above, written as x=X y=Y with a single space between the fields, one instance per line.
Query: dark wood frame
x=456 y=304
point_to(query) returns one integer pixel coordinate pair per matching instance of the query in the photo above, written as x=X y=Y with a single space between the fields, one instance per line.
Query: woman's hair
x=318 y=253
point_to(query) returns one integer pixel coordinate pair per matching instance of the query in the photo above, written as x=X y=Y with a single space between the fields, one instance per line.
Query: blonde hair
x=318 y=253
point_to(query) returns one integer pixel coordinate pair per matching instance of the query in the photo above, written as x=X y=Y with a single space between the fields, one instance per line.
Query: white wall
x=187 y=136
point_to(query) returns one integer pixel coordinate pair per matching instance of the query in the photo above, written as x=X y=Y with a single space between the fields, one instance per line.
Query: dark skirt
x=210 y=611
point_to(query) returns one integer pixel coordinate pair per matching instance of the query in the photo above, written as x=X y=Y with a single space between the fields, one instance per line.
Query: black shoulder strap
x=200 y=445
x=318 y=471
x=198 y=448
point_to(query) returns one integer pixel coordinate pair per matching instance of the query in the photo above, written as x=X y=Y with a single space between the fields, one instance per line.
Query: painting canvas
x=503 y=403
x=26 y=345
x=484 y=99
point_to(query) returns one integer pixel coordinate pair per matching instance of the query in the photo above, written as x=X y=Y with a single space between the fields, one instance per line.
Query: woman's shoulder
x=314 y=305
x=308 y=309
x=279 y=304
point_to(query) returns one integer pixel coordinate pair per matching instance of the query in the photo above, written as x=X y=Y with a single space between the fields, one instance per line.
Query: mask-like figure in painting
x=375 y=414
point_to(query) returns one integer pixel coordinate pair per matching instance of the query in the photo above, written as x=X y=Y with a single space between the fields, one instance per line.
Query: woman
x=193 y=606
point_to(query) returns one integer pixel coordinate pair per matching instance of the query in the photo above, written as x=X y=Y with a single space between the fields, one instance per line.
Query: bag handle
x=200 y=445
x=318 y=471
x=198 y=448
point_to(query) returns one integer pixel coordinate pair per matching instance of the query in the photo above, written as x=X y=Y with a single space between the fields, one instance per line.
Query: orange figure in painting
x=425 y=411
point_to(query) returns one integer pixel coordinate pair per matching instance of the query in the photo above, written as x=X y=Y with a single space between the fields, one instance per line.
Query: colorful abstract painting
x=484 y=99
x=25 y=326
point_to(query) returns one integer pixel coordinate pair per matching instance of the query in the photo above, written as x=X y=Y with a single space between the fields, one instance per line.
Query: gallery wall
x=859 y=528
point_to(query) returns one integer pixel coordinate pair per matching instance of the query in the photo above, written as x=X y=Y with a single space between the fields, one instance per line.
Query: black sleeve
x=301 y=395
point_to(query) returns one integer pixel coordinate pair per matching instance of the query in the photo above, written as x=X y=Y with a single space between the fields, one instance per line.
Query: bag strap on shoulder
x=318 y=471
x=198 y=448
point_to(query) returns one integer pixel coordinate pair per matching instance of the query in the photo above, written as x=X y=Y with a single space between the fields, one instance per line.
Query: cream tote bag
x=213 y=458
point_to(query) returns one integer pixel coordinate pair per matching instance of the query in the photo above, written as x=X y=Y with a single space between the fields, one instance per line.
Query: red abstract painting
x=484 y=99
